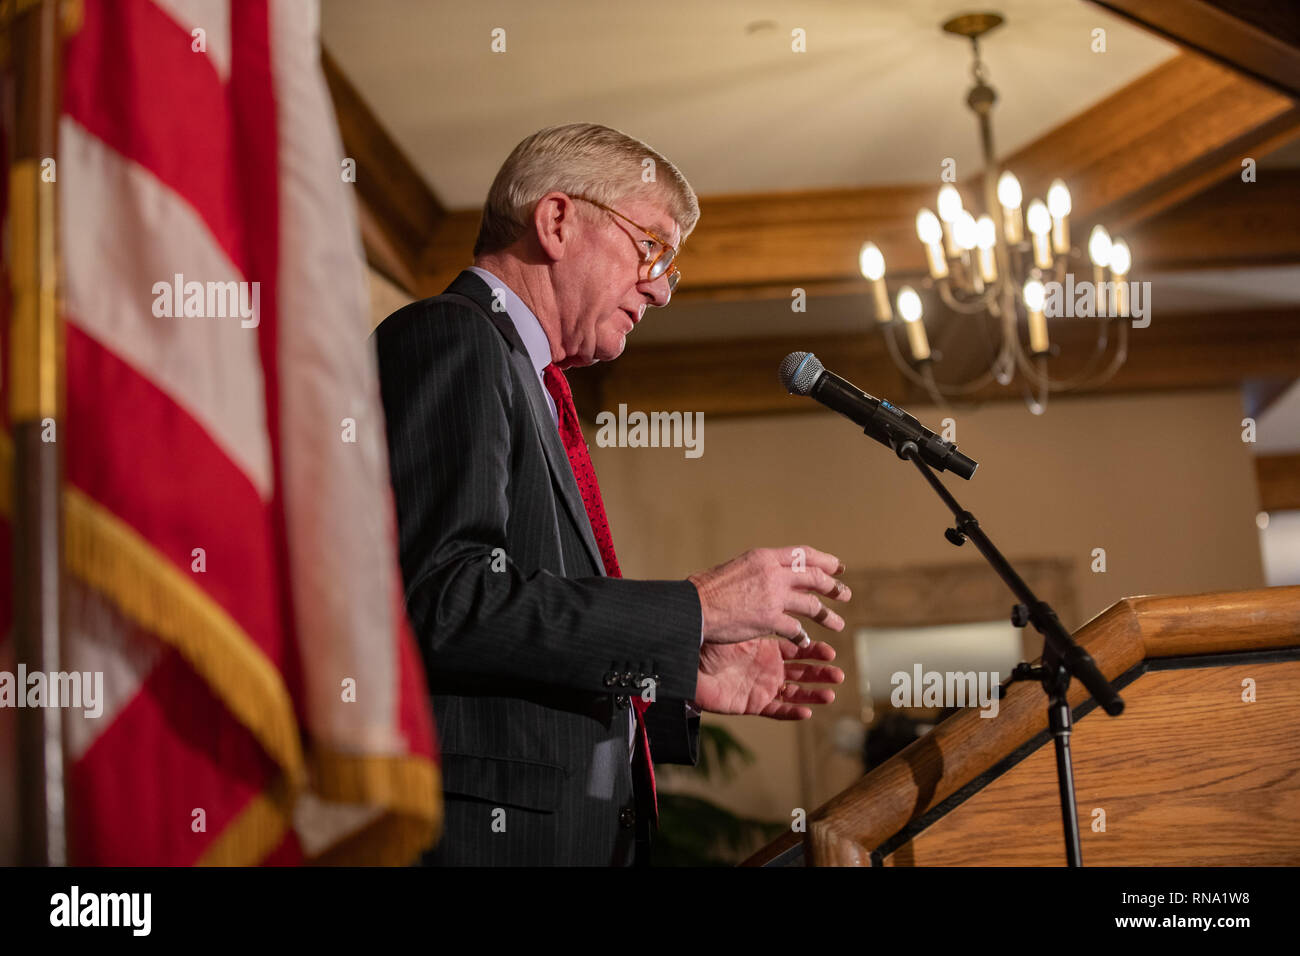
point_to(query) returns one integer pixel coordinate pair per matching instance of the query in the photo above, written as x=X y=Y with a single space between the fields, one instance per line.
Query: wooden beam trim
x=1279 y=481
x=1230 y=40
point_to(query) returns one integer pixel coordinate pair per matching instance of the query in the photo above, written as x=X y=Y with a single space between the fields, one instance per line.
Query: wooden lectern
x=1202 y=768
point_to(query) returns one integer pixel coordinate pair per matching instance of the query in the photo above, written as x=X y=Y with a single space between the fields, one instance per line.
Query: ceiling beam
x=1279 y=482
x=399 y=213
x=752 y=238
x=1166 y=136
x=1232 y=224
x=1258 y=39
x=1169 y=135
x=1189 y=351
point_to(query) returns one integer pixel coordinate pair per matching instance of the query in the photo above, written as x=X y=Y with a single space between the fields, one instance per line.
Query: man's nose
x=656 y=291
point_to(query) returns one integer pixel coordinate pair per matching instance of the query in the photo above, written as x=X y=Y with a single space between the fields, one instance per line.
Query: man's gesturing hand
x=757 y=593
x=758 y=677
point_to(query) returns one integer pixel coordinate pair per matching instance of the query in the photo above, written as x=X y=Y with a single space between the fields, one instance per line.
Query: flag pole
x=35 y=414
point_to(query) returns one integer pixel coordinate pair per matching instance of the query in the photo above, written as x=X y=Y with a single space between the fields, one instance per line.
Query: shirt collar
x=526 y=323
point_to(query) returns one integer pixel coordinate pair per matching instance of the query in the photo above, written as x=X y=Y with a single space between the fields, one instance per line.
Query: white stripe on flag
x=122 y=231
x=100 y=639
x=213 y=18
x=338 y=500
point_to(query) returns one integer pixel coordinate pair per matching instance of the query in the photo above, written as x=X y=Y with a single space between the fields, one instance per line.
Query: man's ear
x=555 y=223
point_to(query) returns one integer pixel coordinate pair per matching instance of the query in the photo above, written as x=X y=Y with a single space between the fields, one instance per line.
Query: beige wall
x=385 y=297
x=1163 y=483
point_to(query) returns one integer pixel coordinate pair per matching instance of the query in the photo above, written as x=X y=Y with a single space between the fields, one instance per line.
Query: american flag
x=230 y=534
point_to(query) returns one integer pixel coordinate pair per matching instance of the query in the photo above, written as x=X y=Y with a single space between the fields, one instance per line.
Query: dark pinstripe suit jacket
x=527 y=644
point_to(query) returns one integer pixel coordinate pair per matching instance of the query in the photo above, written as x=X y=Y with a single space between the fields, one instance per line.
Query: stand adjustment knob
x=1019 y=615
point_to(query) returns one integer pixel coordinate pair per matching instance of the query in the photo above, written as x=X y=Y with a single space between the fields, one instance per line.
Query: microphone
x=802 y=374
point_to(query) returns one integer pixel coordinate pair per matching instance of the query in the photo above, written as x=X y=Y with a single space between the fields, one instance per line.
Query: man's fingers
x=803 y=556
x=794 y=694
x=815 y=579
x=802 y=602
x=816 y=651
x=814 y=674
x=781 y=711
x=794 y=632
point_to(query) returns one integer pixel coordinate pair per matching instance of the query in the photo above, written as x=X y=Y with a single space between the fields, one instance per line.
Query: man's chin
x=608 y=351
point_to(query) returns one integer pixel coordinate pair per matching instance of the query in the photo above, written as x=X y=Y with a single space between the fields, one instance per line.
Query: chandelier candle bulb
x=909 y=307
x=1040 y=224
x=986 y=237
x=872 y=264
x=1035 y=295
x=1010 y=196
x=966 y=234
x=1099 y=249
x=950 y=210
x=938 y=265
x=965 y=231
x=1058 y=204
x=1120 y=262
x=930 y=232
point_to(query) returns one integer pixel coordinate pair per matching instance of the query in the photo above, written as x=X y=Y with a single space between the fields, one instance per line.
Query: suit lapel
x=557 y=459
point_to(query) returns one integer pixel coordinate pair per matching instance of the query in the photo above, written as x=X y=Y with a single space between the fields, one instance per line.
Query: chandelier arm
x=942 y=400
x=1087 y=379
x=1039 y=405
x=931 y=386
x=1031 y=379
x=944 y=389
x=1083 y=377
x=896 y=355
x=1000 y=356
x=910 y=373
x=1024 y=362
x=971 y=307
x=1117 y=360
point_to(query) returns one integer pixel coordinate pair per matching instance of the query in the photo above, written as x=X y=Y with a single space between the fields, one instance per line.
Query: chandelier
x=1009 y=262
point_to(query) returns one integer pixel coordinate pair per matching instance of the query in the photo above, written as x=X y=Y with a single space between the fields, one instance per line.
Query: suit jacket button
x=626 y=818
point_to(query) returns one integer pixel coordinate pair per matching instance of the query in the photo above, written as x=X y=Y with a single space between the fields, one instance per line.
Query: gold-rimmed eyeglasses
x=660 y=256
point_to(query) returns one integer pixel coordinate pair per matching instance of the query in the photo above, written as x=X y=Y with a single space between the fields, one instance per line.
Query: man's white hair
x=581 y=159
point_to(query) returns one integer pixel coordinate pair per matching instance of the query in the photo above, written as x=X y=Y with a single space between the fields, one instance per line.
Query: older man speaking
x=556 y=682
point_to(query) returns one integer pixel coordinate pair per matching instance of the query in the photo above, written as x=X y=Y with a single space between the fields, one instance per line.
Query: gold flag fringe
x=408 y=787
x=112 y=558
x=254 y=832
x=106 y=553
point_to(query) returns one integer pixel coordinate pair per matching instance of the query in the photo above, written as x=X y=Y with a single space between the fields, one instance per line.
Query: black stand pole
x=1062 y=657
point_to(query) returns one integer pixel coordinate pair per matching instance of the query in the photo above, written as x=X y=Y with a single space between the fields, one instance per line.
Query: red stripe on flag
x=173 y=749
x=133 y=81
x=253 y=101
x=140 y=455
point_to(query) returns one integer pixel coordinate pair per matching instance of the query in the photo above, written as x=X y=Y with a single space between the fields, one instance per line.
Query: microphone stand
x=1062 y=657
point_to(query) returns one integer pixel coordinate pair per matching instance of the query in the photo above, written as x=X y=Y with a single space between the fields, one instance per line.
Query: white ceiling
x=877 y=98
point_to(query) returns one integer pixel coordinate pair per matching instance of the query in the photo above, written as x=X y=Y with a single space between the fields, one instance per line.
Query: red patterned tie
x=580 y=461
